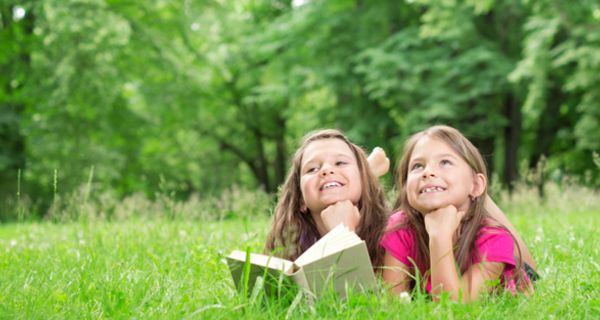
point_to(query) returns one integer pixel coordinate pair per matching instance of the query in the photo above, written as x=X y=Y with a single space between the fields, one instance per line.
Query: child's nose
x=428 y=172
x=326 y=169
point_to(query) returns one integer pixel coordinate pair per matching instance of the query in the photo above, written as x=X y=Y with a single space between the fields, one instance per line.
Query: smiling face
x=329 y=173
x=438 y=176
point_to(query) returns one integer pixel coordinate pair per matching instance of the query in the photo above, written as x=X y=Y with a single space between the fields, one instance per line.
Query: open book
x=338 y=259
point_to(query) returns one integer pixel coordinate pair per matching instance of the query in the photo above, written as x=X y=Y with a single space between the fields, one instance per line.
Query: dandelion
x=404 y=297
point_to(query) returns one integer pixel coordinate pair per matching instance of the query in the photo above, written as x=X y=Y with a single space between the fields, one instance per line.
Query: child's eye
x=445 y=162
x=312 y=169
x=416 y=166
x=341 y=163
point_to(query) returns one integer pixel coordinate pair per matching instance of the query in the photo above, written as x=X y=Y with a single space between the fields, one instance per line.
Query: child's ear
x=303 y=208
x=479 y=184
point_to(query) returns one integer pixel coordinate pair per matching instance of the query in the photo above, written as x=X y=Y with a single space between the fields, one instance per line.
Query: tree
x=16 y=41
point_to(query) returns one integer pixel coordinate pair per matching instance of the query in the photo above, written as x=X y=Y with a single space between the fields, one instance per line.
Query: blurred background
x=107 y=100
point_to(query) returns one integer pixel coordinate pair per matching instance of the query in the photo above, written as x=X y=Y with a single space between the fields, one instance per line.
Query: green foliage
x=194 y=97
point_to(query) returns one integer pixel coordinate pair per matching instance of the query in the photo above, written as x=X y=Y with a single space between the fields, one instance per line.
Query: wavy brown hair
x=474 y=219
x=293 y=229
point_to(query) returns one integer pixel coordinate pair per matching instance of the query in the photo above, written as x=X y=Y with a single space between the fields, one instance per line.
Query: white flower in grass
x=404 y=297
x=13 y=242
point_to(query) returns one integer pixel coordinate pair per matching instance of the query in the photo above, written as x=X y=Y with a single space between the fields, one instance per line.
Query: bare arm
x=445 y=277
x=497 y=214
x=395 y=274
x=441 y=225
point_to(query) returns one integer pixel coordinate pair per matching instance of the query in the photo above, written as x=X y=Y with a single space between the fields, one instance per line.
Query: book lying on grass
x=339 y=259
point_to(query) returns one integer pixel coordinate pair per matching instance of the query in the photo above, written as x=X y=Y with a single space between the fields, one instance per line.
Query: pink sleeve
x=494 y=245
x=399 y=243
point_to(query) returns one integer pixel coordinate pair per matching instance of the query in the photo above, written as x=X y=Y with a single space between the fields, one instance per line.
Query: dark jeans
x=533 y=276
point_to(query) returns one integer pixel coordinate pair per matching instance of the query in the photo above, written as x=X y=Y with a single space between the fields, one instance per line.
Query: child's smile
x=432 y=188
x=330 y=185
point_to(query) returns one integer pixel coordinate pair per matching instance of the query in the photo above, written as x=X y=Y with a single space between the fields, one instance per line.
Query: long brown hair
x=293 y=229
x=474 y=219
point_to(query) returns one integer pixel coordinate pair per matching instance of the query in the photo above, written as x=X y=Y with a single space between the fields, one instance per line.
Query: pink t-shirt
x=492 y=244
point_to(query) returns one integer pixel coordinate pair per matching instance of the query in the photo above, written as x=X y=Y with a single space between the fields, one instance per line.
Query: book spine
x=299 y=277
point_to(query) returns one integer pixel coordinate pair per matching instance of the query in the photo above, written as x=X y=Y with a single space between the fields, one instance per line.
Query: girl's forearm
x=444 y=277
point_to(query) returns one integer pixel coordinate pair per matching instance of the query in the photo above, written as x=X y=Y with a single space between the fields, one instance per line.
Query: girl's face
x=438 y=177
x=329 y=173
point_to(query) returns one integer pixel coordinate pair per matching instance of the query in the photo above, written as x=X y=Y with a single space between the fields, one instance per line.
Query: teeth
x=329 y=185
x=432 y=189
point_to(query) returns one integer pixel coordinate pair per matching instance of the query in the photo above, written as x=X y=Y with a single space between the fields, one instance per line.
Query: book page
x=334 y=241
x=263 y=260
x=269 y=273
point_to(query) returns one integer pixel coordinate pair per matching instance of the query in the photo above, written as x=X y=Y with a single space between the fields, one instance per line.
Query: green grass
x=163 y=268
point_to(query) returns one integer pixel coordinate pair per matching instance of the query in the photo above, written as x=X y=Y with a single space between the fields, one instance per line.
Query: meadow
x=144 y=265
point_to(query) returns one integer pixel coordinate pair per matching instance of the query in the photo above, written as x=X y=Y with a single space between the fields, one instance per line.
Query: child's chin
x=335 y=199
x=432 y=207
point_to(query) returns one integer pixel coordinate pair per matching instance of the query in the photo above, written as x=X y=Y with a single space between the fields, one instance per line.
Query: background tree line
x=196 y=96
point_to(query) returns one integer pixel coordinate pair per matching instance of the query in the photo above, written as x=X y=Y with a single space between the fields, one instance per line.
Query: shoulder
x=492 y=233
x=495 y=244
x=396 y=219
x=397 y=236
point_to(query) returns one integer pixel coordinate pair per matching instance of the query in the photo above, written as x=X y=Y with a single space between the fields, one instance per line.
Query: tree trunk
x=11 y=139
x=486 y=148
x=548 y=125
x=280 y=152
x=262 y=162
x=512 y=137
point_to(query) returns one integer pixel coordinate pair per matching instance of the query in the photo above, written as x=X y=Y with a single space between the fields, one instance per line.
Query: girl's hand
x=443 y=222
x=341 y=212
x=379 y=162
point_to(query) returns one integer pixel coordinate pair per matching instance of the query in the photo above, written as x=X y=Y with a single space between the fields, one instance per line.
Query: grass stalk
x=20 y=209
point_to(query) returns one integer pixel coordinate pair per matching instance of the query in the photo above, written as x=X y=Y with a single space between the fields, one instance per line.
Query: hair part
x=294 y=230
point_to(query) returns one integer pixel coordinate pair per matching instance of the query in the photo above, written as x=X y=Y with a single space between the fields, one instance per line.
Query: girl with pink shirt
x=442 y=224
